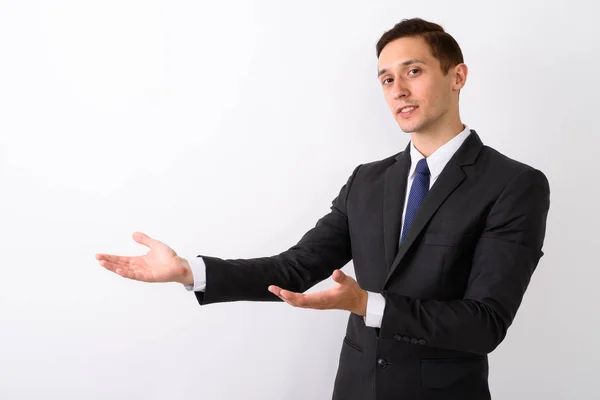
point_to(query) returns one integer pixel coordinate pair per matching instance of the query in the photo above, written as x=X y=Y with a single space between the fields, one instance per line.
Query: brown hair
x=442 y=46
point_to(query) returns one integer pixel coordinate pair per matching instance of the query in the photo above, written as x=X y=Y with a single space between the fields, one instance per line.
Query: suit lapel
x=393 y=203
x=451 y=177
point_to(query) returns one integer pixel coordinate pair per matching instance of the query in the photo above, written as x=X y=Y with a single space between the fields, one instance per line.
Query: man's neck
x=428 y=142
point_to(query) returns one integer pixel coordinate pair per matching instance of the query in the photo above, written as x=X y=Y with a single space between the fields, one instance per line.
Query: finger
x=285 y=301
x=144 y=239
x=285 y=295
x=320 y=300
x=291 y=297
x=120 y=264
x=313 y=300
x=130 y=274
x=112 y=266
x=126 y=272
x=113 y=259
x=275 y=290
x=338 y=276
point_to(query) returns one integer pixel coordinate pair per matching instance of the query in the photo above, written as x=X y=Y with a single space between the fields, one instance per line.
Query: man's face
x=411 y=76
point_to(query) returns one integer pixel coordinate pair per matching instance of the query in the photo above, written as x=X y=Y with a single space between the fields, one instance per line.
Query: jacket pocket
x=352 y=344
x=443 y=372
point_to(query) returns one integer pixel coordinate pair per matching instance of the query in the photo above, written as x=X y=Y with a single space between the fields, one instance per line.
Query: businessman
x=444 y=237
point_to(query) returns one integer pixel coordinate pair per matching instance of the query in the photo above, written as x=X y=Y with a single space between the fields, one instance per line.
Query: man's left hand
x=346 y=295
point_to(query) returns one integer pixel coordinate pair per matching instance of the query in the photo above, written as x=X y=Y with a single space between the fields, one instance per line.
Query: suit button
x=422 y=341
x=414 y=341
x=381 y=363
x=397 y=337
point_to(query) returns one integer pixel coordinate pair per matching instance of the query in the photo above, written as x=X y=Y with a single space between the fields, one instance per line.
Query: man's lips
x=411 y=109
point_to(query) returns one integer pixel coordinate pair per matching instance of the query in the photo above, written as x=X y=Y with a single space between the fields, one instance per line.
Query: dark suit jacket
x=452 y=288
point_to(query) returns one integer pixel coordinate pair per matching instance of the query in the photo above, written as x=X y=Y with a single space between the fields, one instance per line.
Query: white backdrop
x=226 y=128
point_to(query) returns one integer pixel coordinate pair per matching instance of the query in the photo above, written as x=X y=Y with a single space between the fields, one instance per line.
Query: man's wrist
x=362 y=303
x=187 y=277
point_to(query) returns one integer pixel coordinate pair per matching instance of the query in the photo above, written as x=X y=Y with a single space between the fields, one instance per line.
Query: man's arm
x=506 y=256
x=323 y=249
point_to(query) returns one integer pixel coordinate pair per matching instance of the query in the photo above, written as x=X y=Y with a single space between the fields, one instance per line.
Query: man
x=444 y=236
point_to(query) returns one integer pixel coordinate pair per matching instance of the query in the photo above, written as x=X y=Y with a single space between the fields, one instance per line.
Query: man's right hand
x=160 y=264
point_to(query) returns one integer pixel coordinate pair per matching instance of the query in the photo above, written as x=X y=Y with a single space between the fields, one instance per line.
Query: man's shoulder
x=378 y=167
x=497 y=163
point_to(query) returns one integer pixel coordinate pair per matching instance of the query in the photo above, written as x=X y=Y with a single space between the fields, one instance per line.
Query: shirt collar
x=439 y=158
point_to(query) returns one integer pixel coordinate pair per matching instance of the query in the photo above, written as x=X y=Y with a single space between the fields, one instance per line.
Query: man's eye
x=386 y=80
x=414 y=69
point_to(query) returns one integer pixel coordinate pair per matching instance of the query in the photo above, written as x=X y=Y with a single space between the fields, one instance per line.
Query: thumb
x=144 y=239
x=338 y=276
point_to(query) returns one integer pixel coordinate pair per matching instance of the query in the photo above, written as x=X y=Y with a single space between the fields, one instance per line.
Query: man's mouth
x=406 y=110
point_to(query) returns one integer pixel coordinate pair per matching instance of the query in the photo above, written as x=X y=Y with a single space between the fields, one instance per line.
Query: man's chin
x=407 y=128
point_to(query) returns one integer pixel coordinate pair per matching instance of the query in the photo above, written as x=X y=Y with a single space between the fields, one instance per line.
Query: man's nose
x=399 y=90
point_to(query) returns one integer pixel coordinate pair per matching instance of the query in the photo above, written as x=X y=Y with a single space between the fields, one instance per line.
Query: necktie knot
x=422 y=167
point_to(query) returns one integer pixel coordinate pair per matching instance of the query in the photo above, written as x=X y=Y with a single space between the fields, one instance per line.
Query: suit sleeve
x=505 y=258
x=320 y=251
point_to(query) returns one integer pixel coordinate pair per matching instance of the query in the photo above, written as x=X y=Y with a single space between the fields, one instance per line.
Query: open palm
x=160 y=264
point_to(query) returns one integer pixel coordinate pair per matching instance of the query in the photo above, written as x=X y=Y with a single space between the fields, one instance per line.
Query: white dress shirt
x=375 y=301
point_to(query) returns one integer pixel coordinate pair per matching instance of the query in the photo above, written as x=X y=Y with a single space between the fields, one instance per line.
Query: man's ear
x=460 y=73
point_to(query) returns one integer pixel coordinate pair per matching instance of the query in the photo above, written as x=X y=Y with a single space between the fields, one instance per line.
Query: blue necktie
x=418 y=191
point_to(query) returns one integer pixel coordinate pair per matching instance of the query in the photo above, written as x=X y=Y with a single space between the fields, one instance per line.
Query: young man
x=444 y=236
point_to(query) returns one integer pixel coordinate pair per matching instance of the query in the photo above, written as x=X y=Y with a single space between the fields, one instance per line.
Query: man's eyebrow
x=405 y=63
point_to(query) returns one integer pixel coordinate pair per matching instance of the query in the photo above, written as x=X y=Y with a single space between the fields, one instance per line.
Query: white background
x=226 y=128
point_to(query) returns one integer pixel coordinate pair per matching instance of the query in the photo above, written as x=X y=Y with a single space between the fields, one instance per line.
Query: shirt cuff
x=198 y=273
x=375 y=309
